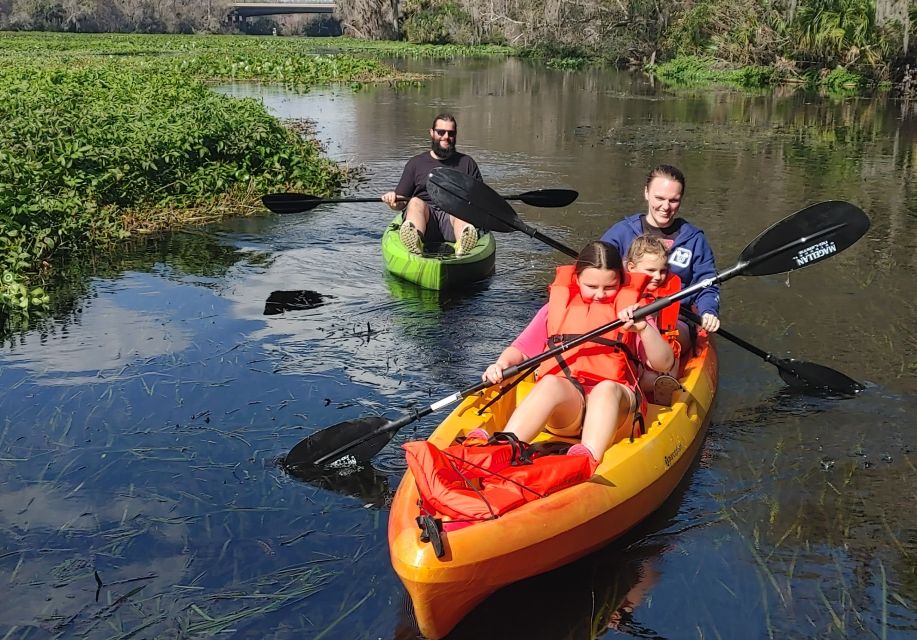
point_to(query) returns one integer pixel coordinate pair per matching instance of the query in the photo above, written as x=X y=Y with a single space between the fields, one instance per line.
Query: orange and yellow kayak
x=633 y=480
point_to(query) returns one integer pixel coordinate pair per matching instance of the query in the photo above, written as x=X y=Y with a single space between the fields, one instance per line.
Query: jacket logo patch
x=681 y=257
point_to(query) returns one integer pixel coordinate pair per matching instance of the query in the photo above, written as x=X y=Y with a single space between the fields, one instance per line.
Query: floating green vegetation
x=266 y=66
x=699 y=71
x=90 y=154
x=175 y=45
x=843 y=81
x=108 y=136
x=559 y=56
x=387 y=48
x=284 y=588
x=693 y=71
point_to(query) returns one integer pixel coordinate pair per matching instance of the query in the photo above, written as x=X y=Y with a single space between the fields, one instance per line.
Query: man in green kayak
x=423 y=220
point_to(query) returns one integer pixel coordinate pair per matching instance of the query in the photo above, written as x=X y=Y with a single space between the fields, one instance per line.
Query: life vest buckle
x=522 y=453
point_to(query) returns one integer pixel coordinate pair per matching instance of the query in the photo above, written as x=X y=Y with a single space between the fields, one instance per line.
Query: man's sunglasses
x=442 y=133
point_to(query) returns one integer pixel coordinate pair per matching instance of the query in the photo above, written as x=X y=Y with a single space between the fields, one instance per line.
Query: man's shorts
x=439 y=227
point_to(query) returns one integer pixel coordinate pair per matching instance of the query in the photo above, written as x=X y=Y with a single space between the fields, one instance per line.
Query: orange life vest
x=466 y=483
x=607 y=357
x=667 y=319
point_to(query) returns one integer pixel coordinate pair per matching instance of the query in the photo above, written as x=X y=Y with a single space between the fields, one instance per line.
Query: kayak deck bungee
x=438 y=267
x=633 y=479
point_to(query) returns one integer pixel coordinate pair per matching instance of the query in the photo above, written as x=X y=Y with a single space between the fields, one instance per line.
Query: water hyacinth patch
x=108 y=135
x=89 y=152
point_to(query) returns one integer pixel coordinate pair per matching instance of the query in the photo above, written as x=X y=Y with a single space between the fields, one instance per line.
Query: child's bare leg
x=554 y=398
x=606 y=406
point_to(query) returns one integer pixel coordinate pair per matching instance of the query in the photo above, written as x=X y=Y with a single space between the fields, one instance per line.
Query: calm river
x=140 y=427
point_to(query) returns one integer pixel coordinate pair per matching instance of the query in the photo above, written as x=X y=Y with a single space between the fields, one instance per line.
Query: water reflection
x=141 y=420
x=105 y=338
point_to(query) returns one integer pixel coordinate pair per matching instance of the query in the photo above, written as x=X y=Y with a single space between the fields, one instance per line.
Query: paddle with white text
x=800 y=240
x=451 y=188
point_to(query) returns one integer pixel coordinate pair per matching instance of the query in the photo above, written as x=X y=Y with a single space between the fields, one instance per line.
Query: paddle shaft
x=835 y=225
x=534 y=361
x=519 y=225
x=761 y=353
x=298 y=202
x=389 y=427
x=639 y=313
x=377 y=199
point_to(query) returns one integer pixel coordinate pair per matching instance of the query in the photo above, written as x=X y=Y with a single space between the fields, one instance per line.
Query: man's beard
x=439 y=152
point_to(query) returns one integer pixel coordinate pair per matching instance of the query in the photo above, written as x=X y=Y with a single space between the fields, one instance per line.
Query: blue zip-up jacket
x=690 y=258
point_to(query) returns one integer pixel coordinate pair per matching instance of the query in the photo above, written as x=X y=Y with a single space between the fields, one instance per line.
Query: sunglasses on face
x=442 y=133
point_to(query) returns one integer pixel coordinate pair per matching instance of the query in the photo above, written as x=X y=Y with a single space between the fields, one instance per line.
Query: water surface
x=140 y=495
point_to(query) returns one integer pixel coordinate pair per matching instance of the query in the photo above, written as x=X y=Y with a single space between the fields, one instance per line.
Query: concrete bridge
x=239 y=11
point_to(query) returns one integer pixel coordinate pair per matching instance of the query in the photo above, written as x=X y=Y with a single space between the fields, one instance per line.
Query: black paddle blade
x=804 y=238
x=471 y=200
x=318 y=445
x=547 y=198
x=290 y=202
x=808 y=375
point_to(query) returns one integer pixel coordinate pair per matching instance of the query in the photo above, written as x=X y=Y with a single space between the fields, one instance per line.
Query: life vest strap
x=637 y=420
x=506 y=389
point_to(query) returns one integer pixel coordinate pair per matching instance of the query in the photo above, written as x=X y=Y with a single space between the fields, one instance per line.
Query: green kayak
x=438 y=267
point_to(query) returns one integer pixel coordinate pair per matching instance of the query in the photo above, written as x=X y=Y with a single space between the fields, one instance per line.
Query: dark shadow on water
x=789 y=401
x=294 y=300
x=364 y=483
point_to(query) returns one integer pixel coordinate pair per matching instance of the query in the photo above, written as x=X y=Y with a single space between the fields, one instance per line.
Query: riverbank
x=110 y=136
x=113 y=135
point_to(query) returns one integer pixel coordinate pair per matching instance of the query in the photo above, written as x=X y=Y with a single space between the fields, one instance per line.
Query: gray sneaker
x=467 y=240
x=410 y=238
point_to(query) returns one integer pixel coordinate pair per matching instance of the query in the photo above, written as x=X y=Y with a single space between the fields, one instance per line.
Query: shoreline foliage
x=102 y=140
x=800 y=40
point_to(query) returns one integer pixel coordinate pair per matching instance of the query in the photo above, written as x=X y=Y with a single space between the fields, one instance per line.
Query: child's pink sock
x=579 y=449
x=478 y=434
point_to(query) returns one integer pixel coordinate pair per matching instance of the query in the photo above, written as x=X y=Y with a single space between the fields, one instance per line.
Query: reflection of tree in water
x=173 y=255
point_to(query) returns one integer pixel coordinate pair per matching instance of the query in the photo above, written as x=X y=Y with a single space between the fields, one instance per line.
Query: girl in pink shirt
x=562 y=404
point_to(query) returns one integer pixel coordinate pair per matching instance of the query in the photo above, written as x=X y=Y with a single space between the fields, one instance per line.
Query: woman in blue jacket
x=690 y=256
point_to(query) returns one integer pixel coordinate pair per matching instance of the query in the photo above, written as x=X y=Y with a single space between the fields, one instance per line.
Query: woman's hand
x=627 y=316
x=710 y=322
x=494 y=373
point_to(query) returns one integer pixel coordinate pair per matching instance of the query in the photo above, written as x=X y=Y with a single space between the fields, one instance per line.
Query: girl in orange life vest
x=647 y=254
x=592 y=391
